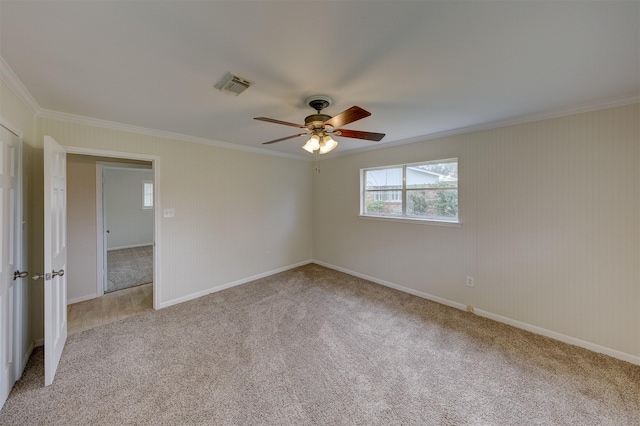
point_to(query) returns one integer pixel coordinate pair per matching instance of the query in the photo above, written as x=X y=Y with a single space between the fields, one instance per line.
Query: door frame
x=101 y=249
x=155 y=165
x=101 y=223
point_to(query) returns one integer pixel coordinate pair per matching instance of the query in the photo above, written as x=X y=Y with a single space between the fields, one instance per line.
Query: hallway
x=111 y=307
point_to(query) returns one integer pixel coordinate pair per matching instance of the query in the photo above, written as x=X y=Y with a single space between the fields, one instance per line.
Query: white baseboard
x=395 y=286
x=131 y=246
x=25 y=358
x=561 y=337
x=38 y=342
x=515 y=323
x=82 y=298
x=229 y=285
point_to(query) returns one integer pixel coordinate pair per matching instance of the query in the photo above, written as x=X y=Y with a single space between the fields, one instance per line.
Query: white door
x=55 y=256
x=9 y=145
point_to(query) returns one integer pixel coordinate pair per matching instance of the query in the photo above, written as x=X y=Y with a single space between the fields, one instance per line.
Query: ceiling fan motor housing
x=316 y=121
x=317 y=102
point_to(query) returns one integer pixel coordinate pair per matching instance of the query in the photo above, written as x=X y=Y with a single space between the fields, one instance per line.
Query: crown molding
x=13 y=82
x=15 y=85
x=88 y=121
x=618 y=101
x=10 y=127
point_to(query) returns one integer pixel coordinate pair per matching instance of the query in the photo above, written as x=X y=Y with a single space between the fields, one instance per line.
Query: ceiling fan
x=322 y=126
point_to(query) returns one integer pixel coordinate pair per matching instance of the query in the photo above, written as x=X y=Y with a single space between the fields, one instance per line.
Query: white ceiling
x=419 y=67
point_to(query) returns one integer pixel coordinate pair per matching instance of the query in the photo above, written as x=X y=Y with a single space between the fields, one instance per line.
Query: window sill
x=436 y=222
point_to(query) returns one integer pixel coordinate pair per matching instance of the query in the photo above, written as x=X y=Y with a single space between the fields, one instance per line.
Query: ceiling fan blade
x=349 y=116
x=284 y=139
x=357 y=134
x=286 y=123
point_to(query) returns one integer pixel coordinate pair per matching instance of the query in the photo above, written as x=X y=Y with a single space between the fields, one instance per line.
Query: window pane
x=383 y=179
x=433 y=203
x=383 y=203
x=147 y=194
x=435 y=175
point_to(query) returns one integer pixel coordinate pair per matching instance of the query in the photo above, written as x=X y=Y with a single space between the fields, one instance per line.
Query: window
x=427 y=191
x=147 y=195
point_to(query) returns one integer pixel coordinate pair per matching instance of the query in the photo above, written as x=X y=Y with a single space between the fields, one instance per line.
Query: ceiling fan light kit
x=322 y=144
x=327 y=144
x=313 y=144
x=322 y=126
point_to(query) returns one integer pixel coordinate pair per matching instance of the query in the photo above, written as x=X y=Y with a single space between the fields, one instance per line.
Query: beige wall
x=81 y=228
x=129 y=225
x=237 y=214
x=551 y=226
x=17 y=114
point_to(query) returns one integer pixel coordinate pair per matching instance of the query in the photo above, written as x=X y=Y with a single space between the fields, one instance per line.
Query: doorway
x=127 y=225
x=91 y=302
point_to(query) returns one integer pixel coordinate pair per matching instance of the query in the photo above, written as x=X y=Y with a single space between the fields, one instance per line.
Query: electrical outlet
x=470 y=281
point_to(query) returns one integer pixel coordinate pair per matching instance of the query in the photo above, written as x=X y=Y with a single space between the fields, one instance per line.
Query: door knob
x=58 y=273
x=37 y=276
x=18 y=274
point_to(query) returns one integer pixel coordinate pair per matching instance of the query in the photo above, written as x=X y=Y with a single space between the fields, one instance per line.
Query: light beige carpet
x=129 y=267
x=312 y=346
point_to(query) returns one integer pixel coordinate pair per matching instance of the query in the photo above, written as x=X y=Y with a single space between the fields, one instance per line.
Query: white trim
x=157 y=229
x=38 y=342
x=20 y=332
x=82 y=298
x=618 y=101
x=406 y=219
x=393 y=285
x=561 y=337
x=25 y=358
x=100 y=243
x=124 y=166
x=88 y=121
x=111 y=154
x=131 y=246
x=13 y=129
x=515 y=323
x=527 y=118
x=403 y=217
x=231 y=284
x=15 y=85
x=101 y=250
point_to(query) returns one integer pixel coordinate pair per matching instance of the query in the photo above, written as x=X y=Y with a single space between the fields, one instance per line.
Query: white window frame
x=144 y=195
x=403 y=218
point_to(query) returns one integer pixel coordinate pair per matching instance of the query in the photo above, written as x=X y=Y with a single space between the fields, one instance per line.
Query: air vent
x=232 y=84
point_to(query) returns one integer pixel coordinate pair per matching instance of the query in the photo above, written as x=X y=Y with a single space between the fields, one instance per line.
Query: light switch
x=169 y=212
